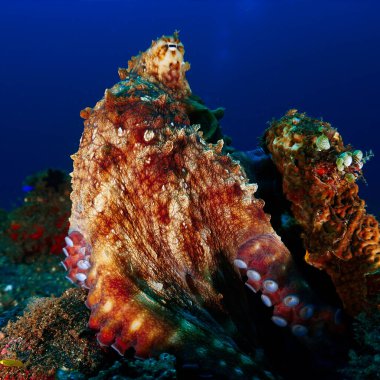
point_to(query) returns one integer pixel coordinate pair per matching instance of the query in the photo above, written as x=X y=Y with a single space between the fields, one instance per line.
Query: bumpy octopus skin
x=319 y=179
x=158 y=214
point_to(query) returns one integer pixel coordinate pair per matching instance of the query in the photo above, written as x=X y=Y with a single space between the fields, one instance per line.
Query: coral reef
x=319 y=179
x=30 y=238
x=160 y=217
x=41 y=223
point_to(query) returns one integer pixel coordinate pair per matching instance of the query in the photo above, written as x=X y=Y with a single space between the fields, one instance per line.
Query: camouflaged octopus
x=165 y=229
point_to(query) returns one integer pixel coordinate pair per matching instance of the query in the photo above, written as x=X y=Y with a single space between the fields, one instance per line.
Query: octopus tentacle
x=270 y=270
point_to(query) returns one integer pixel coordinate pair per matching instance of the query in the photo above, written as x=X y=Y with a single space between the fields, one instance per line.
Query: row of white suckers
x=290 y=300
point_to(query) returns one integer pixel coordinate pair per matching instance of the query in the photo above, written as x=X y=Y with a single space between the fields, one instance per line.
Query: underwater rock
x=319 y=178
x=52 y=333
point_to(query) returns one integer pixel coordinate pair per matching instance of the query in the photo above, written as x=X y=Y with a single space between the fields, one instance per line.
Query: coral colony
x=167 y=238
x=319 y=179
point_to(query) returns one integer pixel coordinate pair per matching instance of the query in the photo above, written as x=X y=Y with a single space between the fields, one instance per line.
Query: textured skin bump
x=339 y=236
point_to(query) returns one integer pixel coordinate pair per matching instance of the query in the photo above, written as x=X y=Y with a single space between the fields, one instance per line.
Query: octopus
x=319 y=175
x=165 y=229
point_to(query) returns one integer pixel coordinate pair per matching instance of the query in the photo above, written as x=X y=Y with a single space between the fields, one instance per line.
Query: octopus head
x=164 y=62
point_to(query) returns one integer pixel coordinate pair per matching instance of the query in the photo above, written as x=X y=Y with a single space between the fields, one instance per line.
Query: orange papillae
x=339 y=236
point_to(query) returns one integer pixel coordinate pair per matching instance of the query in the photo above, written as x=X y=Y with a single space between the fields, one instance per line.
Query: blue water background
x=256 y=58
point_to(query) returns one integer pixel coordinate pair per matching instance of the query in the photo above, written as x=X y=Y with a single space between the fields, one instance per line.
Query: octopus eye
x=172 y=47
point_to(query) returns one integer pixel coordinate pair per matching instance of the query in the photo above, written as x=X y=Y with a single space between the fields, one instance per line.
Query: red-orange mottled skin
x=339 y=236
x=157 y=213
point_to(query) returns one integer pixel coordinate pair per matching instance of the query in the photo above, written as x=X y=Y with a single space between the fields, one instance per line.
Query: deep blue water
x=256 y=58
